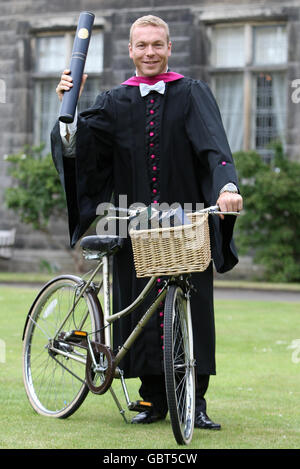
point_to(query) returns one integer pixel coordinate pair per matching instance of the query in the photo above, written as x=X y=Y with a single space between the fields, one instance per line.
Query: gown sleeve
x=87 y=178
x=206 y=133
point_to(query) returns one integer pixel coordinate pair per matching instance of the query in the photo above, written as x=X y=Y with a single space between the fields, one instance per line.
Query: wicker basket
x=172 y=250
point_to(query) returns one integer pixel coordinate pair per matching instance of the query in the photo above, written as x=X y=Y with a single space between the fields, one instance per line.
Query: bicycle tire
x=55 y=384
x=179 y=364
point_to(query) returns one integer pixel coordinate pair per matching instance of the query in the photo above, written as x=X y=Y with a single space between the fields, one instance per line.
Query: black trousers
x=153 y=389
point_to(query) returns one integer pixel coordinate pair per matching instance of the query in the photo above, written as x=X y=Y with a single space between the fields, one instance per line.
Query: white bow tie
x=159 y=87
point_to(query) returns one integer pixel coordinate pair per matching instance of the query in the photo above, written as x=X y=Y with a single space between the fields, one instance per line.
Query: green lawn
x=255 y=395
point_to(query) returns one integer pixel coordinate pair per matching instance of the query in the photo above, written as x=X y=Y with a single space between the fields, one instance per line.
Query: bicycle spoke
x=178 y=362
x=55 y=383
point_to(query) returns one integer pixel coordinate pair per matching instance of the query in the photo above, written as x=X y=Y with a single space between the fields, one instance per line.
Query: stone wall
x=187 y=20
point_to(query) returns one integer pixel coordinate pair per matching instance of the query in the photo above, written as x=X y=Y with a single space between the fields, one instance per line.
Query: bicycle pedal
x=140 y=406
x=75 y=336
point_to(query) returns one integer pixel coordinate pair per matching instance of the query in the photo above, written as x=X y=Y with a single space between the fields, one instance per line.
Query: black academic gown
x=195 y=163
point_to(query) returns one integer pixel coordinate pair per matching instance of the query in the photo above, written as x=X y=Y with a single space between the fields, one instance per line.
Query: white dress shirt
x=69 y=144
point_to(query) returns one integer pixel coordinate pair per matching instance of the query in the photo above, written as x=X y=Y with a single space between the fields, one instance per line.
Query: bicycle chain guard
x=100 y=376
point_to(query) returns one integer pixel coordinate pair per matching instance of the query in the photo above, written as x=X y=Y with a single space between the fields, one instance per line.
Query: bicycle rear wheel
x=179 y=364
x=53 y=370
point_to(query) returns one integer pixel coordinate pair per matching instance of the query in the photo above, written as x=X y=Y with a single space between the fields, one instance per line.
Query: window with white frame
x=52 y=56
x=248 y=67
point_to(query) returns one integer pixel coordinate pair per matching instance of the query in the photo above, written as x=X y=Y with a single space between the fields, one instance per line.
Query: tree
x=270 y=225
x=36 y=195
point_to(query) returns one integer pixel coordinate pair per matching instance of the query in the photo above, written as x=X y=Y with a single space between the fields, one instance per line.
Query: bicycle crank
x=100 y=368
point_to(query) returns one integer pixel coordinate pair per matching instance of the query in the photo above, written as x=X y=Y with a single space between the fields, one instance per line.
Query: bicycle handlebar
x=215 y=210
x=212 y=210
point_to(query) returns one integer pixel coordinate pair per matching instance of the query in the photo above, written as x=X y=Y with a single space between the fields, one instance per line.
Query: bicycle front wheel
x=53 y=370
x=179 y=364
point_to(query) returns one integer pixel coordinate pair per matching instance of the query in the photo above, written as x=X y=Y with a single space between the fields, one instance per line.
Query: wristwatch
x=230 y=187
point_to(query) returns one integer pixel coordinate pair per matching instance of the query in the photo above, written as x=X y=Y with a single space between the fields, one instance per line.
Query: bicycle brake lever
x=224 y=213
x=215 y=210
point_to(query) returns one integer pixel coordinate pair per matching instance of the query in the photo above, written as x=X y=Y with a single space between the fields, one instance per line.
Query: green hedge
x=269 y=227
x=36 y=193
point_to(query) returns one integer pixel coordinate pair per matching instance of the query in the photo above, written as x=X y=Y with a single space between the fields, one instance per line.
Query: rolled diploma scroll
x=78 y=58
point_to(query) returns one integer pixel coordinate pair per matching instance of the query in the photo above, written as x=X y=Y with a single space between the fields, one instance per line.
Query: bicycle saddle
x=108 y=244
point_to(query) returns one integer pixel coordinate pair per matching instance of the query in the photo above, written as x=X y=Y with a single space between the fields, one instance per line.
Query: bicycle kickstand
x=122 y=411
x=136 y=406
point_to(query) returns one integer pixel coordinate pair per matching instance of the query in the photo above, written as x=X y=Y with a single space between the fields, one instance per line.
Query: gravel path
x=258 y=295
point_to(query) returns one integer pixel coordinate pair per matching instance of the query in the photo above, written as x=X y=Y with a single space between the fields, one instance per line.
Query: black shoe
x=148 y=416
x=203 y=421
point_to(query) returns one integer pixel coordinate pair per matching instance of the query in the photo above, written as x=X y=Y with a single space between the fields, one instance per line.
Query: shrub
x=36 y=194
x=270 y=224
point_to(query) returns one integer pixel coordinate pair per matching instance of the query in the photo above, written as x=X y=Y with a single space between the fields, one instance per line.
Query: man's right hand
x=66 y=83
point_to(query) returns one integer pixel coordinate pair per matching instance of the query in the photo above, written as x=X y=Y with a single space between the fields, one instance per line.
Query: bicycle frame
x=109 y=318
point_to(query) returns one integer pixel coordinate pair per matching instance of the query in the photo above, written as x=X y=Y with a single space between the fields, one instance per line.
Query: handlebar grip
x=78 y=59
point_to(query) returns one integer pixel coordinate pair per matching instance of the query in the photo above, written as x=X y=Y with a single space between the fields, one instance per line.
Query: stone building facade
x=249 y=52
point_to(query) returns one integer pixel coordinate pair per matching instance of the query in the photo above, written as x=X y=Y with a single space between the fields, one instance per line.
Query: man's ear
x=130 y=49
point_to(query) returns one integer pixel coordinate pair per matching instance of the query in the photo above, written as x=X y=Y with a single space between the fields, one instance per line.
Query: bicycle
x=67 y=339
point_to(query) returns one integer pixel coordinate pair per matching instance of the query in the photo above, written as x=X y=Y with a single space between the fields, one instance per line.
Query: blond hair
x=150 y=20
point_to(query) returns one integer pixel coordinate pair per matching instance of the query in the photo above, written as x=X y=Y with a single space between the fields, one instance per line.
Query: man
x=163 y=145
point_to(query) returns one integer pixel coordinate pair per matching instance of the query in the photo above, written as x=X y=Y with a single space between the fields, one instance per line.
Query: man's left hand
x=229 y=202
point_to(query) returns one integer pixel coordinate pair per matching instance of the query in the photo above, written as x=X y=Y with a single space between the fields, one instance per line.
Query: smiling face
x=149 y=49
